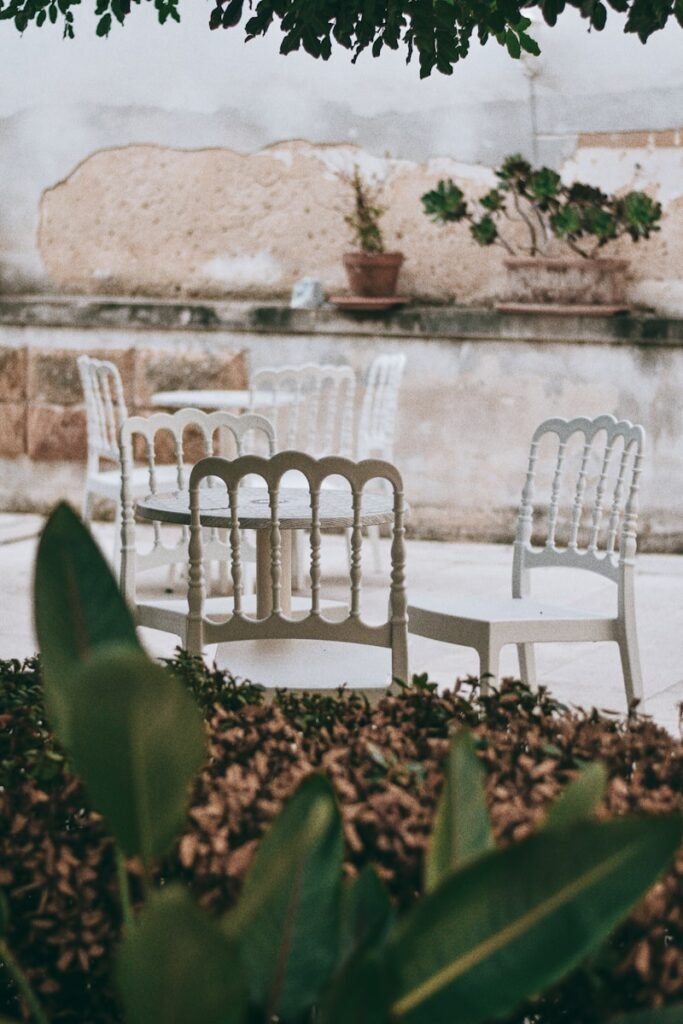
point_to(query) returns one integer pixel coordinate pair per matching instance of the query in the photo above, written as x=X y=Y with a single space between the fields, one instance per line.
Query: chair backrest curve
x=209 y=430
x=608 y=465
x=311 y=406
x=105 y=407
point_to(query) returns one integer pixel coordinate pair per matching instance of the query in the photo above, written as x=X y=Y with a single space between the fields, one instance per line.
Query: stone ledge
x=416 y=321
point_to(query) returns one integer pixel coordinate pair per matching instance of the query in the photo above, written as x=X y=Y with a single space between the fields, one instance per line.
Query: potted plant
x=372 y=272
x=552 y=217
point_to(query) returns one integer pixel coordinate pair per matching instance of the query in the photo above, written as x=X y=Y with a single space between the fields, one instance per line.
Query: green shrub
x=580 y=217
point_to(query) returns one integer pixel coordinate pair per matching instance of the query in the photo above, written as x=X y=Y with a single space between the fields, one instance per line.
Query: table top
x=294 y=507
x=207 y=399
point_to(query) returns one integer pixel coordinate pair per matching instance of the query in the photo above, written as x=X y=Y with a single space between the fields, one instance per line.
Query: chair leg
x=527 y=663
x=88 y=504
x=630 y=664
x=116 y=554
x=298 y=557
x=489 y=664
x=373 y=537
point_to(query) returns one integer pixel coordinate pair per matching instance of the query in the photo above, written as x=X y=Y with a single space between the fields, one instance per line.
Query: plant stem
x=527 y=221
x=124 y=890
x=23 y=984
x=506 y=245
x=577 y=249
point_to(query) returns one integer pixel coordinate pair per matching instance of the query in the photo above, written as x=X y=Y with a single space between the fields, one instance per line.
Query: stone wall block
x=57 y=433
x=160 y=370
x=12 y=429
x=13 y=364
x=53 y=377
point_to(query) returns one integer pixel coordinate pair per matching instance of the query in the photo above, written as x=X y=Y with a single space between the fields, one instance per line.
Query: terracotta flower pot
x=373 y=274
x=565 y=285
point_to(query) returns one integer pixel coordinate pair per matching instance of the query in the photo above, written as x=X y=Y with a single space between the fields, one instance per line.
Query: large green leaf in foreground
x=177 y=966
x=287 y=919
x=77 y=607
x=137 y=741
x=514 y=921
x=462 y=828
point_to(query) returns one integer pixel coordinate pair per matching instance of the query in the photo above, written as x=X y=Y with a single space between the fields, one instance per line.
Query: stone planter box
x=565 y=285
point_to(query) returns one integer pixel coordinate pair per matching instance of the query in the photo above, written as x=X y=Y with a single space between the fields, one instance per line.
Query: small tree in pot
x=372 y=272
x=577 y=217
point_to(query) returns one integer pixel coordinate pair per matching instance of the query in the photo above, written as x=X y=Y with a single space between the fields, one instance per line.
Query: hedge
x=57 y=867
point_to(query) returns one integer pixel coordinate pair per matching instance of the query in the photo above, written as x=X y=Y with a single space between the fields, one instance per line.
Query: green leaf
x=462 y=828
x=104 y=26
x=446 y=203
x=4 y=915
x=137 y=741
x=484 y=231
x=287 y=918
x=77 y=607
x=579 y=799
x=366 y=913
x=361 y=992
x=512 y=44
x=664 y=1015
x=513 y=922
x=177 y=966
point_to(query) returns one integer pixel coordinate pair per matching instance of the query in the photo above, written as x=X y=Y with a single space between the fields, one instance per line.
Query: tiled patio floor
x=586 y=674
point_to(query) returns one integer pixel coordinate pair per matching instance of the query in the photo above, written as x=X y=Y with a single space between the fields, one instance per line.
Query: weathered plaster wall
x=80 y=112
x=216 y=223
x=467 y=410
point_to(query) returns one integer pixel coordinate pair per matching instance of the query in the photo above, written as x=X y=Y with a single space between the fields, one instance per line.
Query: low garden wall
x=476 y=385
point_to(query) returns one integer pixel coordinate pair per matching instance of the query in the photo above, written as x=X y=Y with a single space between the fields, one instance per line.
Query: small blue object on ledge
x=307 y=294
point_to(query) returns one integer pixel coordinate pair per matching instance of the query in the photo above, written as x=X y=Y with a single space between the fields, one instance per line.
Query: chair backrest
x=105 y=407
x=180 y=439
x=379 y=411
x=352 y=629
x=594 y=480
x=311 y=406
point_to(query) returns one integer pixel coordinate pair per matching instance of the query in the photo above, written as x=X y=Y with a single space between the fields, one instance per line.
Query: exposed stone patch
x=149 y=220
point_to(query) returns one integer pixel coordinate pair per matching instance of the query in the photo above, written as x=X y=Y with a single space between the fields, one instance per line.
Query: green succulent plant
x=580 y=216
x=495 y=926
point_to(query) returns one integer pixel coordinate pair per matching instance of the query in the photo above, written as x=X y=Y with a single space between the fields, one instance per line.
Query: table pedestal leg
x=264 y=589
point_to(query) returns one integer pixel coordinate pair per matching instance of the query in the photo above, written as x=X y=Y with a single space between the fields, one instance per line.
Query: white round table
x=236 y=401
x=294 y=513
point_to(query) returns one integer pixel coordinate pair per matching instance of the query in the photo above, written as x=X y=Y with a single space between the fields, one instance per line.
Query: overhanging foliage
x=439 y=31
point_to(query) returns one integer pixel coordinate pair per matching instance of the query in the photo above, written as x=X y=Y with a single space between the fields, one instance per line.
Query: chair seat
x=311 y=665
x=441 y=618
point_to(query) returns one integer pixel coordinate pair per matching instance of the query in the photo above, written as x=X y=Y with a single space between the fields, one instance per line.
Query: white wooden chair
x=379 y=411
x=208 y=429
x=307 y=650
x=615 y=449
x=378 y=421
x=312 y=409
x=105 y=412
x=311 y=406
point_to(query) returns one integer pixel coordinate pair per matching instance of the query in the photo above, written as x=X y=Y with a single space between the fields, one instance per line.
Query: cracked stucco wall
x=218 y=223
x=175 y=160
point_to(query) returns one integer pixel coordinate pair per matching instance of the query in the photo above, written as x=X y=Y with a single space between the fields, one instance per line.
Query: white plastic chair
x=379 y=411
x=105 y=411
x=311 y=406
x=378 y=421
x=170 y=615
x=296 y=651
x=615 y=448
